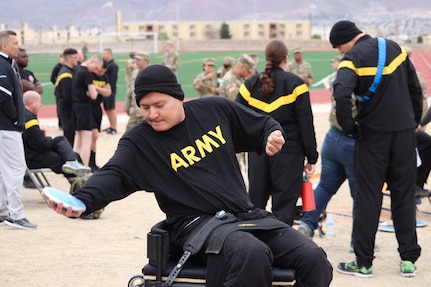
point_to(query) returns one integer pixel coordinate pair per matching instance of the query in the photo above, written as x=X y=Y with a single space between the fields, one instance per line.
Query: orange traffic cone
x=307 y=195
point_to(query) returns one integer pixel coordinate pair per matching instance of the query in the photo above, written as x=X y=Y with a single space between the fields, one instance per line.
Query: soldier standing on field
x=300 y=67
x=206 y=82
x=171 y=58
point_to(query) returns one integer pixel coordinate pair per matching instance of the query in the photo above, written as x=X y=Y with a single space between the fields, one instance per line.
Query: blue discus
x=67 y=199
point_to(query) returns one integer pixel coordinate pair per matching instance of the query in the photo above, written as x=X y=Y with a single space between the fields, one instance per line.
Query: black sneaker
x=352 y=268
x=111 y=131
x=422 y=192
x=28 y=183
x=22 y=223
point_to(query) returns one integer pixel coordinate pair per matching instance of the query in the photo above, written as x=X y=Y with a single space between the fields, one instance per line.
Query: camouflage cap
x=209 y=62
x=247 y=61
x=297 y=50
x=228 y=61
x=142 y=56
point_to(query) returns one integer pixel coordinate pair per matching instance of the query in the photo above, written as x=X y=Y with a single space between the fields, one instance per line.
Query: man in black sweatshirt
x=185 y=154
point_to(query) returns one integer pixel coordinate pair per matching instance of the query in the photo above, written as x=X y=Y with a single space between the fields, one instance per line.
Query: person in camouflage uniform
x=228 y=63
x=130 y=67
x=130 y=85
x=142 y=60
x=234 y=78
x=171 y=58
x=206 y=82
x=300 y=67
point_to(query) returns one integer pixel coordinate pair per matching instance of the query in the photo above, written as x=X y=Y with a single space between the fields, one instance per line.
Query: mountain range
x=44 y=14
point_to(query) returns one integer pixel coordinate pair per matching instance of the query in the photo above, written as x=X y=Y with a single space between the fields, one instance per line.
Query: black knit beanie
x=342 y=32
x=157 y=78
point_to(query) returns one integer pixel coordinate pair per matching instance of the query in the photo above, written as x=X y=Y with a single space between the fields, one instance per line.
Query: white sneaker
x=75 y=167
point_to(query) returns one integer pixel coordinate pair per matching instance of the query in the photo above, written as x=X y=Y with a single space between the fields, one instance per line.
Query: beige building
x=239 y=30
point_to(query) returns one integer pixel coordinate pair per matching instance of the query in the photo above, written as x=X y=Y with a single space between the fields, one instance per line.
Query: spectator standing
x=53 y=78
x=171 y=59
x=229 y=87
x=337 y=166
x=101 y=83
x=63 y=93
x=206 y=82
x=109 y=102
x=28 y=79
x=228 y=63
x=285 y=97
x=85 y=51
x=142 y=60
x=300 y=67
x=83 y=92
x=12 y=119
x=385 y=150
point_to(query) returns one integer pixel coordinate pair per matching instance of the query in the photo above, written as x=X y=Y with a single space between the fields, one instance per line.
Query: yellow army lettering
x=192 y=154
x=99 y=83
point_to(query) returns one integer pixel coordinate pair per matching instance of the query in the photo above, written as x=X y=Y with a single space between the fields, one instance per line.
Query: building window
x=126 y=28
x=141 y=28
x=298 y=26
x=175 y=27
x=298 y=34
x=175 y=34
x=281 y=26
x=260 y=26
x=192 y=27
x=281 y=33
x=261 y=34
x=246 y=34
x=192 y=34
x=246 y=26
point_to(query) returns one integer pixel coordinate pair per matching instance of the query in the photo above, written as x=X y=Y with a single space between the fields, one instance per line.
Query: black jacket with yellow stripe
x=397 y=103
x=289 y=105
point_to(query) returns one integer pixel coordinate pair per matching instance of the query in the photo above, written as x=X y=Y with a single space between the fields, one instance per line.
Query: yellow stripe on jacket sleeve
x=31 y=123
x=270 y=107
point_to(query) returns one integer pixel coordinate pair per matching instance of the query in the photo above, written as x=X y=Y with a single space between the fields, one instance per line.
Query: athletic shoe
x=22 y=223
x=111 y=131
x=305 y=230
x=352 y=268
x=3 y=219
x=28 y=183
x=75 y=167
x=376 y=248
x=422 y=192
x=408 y=269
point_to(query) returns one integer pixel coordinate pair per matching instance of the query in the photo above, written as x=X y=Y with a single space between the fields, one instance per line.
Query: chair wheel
x=136 y=281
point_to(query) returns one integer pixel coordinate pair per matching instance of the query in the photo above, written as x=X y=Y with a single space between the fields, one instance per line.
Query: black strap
x=216 y=241
x=197 y=239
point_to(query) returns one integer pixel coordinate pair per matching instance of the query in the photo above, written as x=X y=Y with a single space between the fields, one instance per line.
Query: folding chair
x=38 y=177
x=162 y=261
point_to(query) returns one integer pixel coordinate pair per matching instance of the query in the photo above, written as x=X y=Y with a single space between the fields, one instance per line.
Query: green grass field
x=191 y=65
